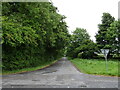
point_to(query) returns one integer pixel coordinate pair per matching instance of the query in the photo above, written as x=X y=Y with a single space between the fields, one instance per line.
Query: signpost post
x=105 y=52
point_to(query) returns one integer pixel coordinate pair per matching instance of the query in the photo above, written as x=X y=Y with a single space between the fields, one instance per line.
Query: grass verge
x=44 y=65
x=96 y=66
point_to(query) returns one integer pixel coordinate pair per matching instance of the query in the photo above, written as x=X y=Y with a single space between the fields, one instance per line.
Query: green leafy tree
x=78 y=36
x=80 y=44
x=113 y=36
x=33 y=32
x=101 y=40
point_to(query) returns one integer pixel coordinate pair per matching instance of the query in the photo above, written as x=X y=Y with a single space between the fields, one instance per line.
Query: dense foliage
x=113 y=36
x=108 y=35
x=107 y=19
x=80 y=45
x=32 y=33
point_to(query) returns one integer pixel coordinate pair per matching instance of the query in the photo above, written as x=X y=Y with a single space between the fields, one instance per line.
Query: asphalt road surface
x=60 y=75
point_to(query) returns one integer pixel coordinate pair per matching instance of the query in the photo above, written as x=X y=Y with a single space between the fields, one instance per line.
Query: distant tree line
x=80 y=45
x=108 y=37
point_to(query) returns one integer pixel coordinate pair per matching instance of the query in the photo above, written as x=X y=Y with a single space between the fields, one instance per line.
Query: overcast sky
x=86 y=13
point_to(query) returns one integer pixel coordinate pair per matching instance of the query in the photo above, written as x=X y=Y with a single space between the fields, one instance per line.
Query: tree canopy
x=108 y=34
x=32 y=32
x=113 y=36
x=107 y=19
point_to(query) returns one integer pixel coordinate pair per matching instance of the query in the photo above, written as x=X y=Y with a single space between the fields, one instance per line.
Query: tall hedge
x=33 y=33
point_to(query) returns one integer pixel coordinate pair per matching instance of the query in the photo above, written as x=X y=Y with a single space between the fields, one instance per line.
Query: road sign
x=105 y=52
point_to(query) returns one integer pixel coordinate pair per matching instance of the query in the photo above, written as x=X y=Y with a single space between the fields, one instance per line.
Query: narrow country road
x=60 y=75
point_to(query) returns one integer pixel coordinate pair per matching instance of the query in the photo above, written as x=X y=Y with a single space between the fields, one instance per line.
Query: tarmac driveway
x=60 y=75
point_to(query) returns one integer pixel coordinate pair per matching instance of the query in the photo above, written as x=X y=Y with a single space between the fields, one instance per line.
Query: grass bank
x=44 y=65
x=96 y=66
